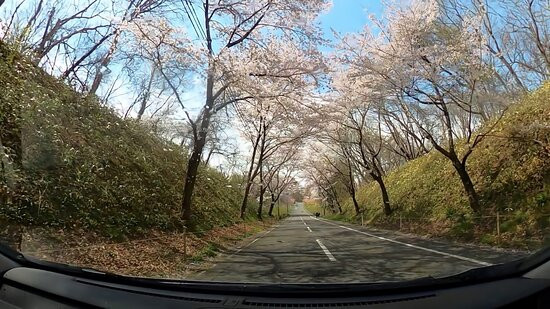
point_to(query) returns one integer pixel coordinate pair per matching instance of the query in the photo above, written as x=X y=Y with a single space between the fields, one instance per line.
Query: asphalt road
x=304 y=249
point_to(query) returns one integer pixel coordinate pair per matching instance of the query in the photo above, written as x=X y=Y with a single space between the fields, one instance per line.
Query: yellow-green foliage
x=76 y=164
x=510 y=169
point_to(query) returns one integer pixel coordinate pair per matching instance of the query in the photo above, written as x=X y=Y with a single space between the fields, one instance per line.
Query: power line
x=194 y=13
x=191 y=14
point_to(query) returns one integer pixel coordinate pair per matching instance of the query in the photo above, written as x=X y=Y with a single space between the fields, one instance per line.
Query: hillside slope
x=69 y=162
x=510 y=170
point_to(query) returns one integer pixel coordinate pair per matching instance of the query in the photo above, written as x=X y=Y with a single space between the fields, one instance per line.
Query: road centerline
x=325 y=250
x=308 y=229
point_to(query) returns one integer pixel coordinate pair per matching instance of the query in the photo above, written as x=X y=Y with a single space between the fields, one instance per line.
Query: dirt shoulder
x=159 y=254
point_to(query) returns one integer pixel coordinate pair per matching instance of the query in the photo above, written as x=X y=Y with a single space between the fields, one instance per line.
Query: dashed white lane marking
x=411 y=245
x=325 y=250
x=250 y=243
x=308 y=229
x=267 y=232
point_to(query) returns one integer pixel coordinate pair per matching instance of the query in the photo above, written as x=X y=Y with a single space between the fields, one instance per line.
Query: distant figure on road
x=317 y=214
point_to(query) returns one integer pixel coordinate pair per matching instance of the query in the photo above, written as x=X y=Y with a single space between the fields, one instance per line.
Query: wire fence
x=495 y=221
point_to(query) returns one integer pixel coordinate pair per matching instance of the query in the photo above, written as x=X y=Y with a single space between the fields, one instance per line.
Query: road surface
x=305 y=249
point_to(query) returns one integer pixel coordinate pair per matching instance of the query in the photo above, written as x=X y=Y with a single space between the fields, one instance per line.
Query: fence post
x=400 y=222
x=498 y=227
x=185 y=243
x=362 y=220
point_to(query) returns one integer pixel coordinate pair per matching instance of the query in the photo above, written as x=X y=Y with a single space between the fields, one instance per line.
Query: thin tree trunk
x=190 y=179
x=261 y=166
x=272 y=205
x=340 y=210
x=147 y=94
x=3 y=163
x=245 y=198
x=105 y=61
x=207 y=161
x=249 y=176
x=385 y=196
x=469 y=188
x=198 y=146
x=355 y=203
x=352 y=186
x=261 y=203
x=262 y=191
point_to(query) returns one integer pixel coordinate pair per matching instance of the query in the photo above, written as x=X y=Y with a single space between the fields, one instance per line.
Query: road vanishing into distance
x=306 y=249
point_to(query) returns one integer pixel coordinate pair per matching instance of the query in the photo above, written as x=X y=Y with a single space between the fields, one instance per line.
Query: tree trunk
x=249 y=176
x=338 y=205
x=104 y=63
x=355 y=203
x=262 y=191
x=261 y=202
x=468 y=186
x=245 y=198
x=385 y=196
x=210 y=152
x=261 y=166
x=146 y=94
x=272 y=205
x=198 y=146
x=352 y=187
x=190 y=178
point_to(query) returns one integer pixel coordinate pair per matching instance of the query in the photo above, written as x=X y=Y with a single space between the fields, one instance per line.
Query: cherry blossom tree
x=516 y=36
x=258 y=49
x=326 y=182
x=133 y=10
x=281 y=176
x=434 y=72
x=340 y=163
x=275 y=131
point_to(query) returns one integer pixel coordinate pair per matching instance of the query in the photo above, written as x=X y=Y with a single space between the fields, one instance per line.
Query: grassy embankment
x=510 y=170
x=73 y=169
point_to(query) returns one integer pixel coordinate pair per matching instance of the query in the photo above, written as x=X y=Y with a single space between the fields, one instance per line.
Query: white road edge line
x=308 y=228
x=325 y=250
x=411 y=245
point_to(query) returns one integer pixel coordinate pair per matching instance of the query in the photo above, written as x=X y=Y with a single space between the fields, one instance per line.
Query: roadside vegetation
x=70 y=163
x=160 y=254
x=121 y=120
x=510 y=170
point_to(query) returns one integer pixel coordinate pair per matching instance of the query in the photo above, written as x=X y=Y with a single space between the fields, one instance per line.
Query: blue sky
x=349 y=15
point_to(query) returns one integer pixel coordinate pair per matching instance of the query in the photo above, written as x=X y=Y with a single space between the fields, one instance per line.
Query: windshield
x=275 y=141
